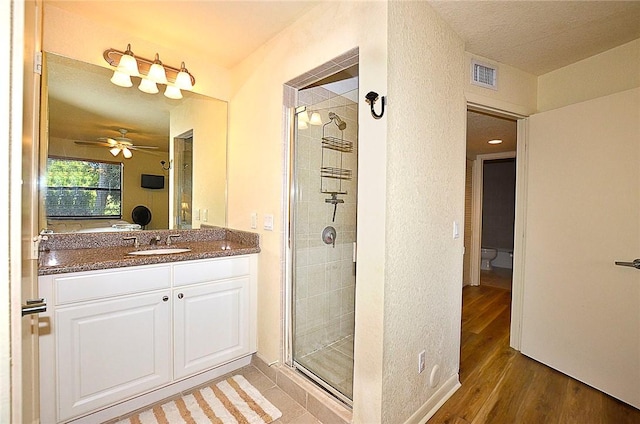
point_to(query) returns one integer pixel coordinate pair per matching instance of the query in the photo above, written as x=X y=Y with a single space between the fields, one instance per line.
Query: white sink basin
x=165 y=251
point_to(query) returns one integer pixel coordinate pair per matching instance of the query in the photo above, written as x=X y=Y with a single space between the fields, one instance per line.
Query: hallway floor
x=500 y=385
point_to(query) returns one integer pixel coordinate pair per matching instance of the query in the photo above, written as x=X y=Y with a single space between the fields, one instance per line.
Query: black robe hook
x=371 y=97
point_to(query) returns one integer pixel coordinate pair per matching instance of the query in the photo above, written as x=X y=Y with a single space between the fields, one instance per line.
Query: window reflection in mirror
x=86 y=112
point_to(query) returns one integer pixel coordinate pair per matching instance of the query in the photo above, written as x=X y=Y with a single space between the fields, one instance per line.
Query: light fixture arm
x=112 y=56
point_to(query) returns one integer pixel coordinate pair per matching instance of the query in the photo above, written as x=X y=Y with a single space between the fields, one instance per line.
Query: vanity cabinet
x=111 y=335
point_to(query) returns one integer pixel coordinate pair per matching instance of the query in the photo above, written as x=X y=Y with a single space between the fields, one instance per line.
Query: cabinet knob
x=180 y=295
x=165 y=298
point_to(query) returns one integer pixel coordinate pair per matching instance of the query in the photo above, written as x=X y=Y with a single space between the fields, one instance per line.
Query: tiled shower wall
x=324 y=274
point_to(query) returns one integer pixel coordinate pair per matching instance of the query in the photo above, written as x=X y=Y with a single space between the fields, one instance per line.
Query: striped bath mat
x=233 y=400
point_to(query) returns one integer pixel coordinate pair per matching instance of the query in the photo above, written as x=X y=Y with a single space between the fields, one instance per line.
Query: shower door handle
x=635 y=264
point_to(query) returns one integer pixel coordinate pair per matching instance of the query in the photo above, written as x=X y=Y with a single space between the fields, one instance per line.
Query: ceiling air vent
x=484 y=75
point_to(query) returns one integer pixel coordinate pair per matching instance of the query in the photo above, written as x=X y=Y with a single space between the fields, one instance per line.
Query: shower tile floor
x=334 y=364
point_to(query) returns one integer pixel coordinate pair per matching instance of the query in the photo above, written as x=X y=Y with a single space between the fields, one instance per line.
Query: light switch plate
x=456 y=230
x=268 y=222
x=254 y=220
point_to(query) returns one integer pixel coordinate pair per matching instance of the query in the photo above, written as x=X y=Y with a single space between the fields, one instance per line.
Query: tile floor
x=334 y=364
x=292 y=411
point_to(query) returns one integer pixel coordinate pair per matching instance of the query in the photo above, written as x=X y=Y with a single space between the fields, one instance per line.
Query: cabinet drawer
x=112 y=282
x=210 y=270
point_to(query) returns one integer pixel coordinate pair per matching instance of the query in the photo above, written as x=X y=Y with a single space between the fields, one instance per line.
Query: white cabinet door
x=111 y=349
x=211 y=325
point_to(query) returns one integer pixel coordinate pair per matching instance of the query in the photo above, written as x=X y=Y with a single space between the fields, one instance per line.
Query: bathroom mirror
x=83 y=109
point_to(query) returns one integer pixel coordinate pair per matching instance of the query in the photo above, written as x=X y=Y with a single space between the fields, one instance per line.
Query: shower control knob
x=329 y=235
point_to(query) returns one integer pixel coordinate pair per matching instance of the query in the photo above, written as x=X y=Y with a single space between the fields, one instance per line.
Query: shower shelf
x=337 y=144
x=335 y=173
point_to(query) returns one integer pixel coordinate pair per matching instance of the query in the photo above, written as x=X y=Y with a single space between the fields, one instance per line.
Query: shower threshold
x=323 y=384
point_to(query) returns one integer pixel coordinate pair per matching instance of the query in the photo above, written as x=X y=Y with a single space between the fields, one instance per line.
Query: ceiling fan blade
x=94 y=143
x=137 y=149
x=144 y=147
x=108 y=140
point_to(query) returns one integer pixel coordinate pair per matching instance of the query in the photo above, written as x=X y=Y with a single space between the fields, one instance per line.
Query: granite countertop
x=63 y=253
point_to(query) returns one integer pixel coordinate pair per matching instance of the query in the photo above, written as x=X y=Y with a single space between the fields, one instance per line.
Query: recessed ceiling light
x=495 y=141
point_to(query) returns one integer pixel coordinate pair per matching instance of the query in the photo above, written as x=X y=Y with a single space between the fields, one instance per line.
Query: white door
x=211 y=325
x=581 y=313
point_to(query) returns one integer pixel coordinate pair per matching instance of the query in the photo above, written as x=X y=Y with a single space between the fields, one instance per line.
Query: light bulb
x=172 y=92
x=121 y=79
x=315 y=119
x=183 y=79
x=114 y=151
x=128 y=63
x=148 y=86
x=157 y=73
x=126 y=153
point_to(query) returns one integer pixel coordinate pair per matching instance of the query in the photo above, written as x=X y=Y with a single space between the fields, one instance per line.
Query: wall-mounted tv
x=154 y=182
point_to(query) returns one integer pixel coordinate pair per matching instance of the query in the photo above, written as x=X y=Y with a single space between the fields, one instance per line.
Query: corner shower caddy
x=328 y=172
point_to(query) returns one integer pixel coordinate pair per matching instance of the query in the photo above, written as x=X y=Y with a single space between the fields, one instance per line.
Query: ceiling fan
x=118 y=144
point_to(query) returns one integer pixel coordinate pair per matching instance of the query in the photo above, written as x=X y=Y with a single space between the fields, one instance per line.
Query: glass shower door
x=323 y=239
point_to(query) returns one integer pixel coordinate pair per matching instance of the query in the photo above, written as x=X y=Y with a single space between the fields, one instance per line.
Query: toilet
x=486 y=256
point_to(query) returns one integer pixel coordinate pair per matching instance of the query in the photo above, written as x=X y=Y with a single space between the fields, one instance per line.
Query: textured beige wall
x=257 y=172
x=516 y=93
x=609 y=72
x=425 y=195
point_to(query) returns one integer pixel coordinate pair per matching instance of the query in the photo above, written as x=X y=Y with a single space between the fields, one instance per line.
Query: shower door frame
x=291 y=89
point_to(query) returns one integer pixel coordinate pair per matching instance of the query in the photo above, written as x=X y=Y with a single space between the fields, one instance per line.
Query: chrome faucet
x=135 y=241
x=169 y=238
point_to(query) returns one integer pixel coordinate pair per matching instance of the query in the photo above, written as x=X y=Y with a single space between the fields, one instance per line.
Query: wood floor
x=500 y=385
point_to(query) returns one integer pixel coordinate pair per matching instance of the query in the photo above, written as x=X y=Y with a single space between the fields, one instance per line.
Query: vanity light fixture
x=315 y=119
x=495 y=141
x=151 y=72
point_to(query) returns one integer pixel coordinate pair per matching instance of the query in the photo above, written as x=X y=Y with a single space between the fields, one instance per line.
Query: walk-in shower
x=323 y=234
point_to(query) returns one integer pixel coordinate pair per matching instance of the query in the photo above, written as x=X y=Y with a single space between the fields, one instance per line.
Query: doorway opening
x=490 y=188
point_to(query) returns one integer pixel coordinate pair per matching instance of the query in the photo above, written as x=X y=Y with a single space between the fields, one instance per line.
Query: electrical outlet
x=254 y=220
x=422 y=357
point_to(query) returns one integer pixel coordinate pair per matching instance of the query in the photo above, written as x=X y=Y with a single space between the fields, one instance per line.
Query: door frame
x=517 y=288
x=13 y=19
x=476 y=211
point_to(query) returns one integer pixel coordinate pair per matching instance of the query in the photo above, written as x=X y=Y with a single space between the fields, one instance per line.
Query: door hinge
x=37 y=63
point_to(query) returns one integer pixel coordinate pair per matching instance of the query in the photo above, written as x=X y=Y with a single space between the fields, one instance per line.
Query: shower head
x=339 y=122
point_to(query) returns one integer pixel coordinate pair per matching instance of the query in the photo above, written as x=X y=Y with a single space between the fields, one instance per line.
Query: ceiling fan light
x=148 y=86
x=172 y=92
x=126 y=153
x=183 y=79
x=157 y=73
x=121 y=79
x=128 y=63
x=114 y=151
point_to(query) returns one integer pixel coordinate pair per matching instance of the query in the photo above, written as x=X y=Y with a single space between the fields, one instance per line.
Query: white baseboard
x=431 y=406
